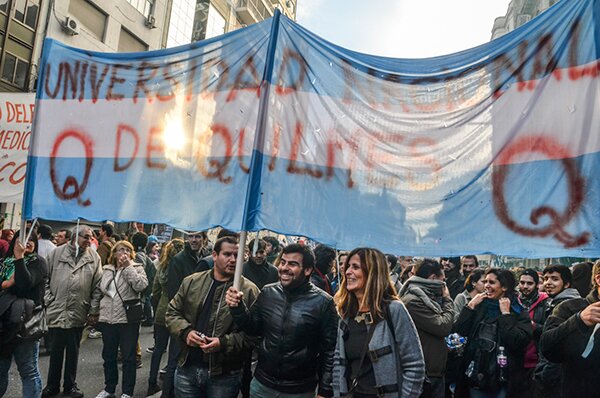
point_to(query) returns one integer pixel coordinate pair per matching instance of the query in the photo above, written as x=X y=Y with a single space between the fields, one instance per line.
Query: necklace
x=364 y=316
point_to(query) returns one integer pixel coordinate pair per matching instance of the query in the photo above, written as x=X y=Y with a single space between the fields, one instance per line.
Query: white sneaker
x=104 y=394
x=126 y=396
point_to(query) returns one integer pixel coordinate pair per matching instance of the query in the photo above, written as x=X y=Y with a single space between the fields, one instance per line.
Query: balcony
x=252 y=11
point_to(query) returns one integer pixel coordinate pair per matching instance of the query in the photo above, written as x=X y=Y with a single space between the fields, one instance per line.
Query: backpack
x=482 y=368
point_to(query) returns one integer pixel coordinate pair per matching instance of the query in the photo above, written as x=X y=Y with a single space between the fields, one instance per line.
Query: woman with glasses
x=498 y=331
x=121 y=285
x=23 y=275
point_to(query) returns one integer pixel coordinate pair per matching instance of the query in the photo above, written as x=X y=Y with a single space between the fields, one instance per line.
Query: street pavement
x=90 y=375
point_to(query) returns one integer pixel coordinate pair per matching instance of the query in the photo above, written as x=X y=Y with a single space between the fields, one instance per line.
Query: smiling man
x=213 y=348
x=298 y=323
x=557 y=283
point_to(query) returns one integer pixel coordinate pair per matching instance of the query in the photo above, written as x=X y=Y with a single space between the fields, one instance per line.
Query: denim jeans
x=26 y=357
x=259 y=390
x=169 y=378
x=194 y=382
x=161 y=341
x=125 y=336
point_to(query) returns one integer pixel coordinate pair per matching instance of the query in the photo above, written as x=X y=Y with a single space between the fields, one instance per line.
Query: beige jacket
x=72 y=289
x=131 y=282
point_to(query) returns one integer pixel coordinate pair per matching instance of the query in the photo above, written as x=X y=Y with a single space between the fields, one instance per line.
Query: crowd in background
x=306 y=320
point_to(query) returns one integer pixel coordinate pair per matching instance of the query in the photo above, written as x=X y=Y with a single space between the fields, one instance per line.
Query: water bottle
x=502 y=361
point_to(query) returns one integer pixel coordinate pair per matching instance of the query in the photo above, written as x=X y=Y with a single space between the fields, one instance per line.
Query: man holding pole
x=297 y=322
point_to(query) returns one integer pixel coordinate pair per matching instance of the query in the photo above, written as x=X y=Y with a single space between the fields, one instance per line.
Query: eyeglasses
x=86 y=237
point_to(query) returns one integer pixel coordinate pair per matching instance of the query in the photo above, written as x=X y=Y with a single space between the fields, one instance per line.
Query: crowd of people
x=302 y=322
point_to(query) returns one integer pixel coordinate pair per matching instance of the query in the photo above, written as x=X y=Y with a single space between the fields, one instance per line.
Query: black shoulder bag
x=133 y=308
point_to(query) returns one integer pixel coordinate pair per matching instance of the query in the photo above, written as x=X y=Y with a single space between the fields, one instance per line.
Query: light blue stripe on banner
x=326 y=210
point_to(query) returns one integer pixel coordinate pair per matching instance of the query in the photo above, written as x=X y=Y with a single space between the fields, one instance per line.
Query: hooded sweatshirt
x=433 y=316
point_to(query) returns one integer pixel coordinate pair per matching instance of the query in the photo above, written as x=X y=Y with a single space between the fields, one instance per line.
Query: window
x=130 y=43
x=215 y=25
x=90 y=16
x=4 y=6
x=142 y=6
x=26 y=12
x=15 y=70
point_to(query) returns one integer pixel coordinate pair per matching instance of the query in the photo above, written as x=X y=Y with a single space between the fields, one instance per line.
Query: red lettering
x=13 y=179
x=275 y=148
x=70 y=79
x=71 y=183
x=143 y=79
x=121 y=129
x=153 y=146
x=114 y=80
x=292 y=167
x=243 y=166
x=52 y=94
x=240 y=84
x=288 y=56
x=96 y=82
x=174 y=85
x=576 y=186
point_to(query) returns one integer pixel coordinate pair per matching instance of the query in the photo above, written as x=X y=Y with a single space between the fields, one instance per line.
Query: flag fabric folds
x=490 y=150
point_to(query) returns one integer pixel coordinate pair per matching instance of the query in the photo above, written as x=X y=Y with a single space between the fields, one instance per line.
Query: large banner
x=490 y=150
x=16 y=117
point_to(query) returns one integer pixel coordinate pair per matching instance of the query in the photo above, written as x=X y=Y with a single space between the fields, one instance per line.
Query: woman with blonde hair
x=160 y=302
x=378 y=353
x=120 y=316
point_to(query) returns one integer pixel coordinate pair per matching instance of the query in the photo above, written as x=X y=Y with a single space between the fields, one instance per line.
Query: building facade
x=98 y=25
x=519 y=13
x=194 y=20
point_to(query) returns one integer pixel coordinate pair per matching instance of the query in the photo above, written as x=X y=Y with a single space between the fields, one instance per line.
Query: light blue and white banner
x=490 y=150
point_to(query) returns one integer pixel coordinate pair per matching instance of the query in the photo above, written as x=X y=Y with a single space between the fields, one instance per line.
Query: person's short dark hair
x=225 y=239
x=472 y=257
x=324 y=256
x=472 y=279
x=405 y=275
x=139 y=240
x=67 y=233
x=308 y=257
x=506 y=279
x=108 y=229
x=227 y=232
x=427 y=267
x=532 y=273
x=563 y=270
x=393 y=260
x=261 y=245
x=273 y=241
x=45 y=231
x=13 y=242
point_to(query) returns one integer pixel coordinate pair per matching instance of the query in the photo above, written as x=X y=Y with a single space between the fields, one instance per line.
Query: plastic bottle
x=502 y=361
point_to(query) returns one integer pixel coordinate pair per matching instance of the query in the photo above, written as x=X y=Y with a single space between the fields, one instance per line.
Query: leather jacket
x=298 y=330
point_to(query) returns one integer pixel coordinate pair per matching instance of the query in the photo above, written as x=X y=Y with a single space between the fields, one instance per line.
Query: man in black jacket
x=571 y=337
x=298 y=323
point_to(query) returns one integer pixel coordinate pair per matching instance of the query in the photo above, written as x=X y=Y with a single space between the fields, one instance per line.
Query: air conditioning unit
x=151 y=22
x=71 y=26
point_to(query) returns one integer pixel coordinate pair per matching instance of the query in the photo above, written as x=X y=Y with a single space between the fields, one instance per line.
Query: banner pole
x=237 y=277
x=253 y=190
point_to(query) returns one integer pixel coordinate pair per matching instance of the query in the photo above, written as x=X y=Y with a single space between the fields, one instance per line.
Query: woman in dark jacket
x=26 y=277
x=494 y=323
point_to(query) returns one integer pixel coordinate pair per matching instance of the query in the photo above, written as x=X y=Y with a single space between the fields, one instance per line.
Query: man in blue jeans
x=213 y=348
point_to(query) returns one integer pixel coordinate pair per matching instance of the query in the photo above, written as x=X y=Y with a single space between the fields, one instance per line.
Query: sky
x=402 y=28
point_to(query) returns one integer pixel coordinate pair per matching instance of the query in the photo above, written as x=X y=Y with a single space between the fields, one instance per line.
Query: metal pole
x=240 y=261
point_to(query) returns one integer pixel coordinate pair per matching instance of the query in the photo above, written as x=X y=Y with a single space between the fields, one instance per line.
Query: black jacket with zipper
x=298 y=330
